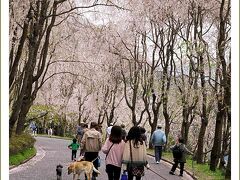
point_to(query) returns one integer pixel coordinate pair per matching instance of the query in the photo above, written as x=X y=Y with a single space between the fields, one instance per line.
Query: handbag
x=124 y=176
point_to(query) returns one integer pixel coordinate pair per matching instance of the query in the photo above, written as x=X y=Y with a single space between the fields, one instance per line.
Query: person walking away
x=85 y=129
x=50 y=132
x=124 y=132
x=79 y=132
x=33 y=127
x=134 y=154
x=108 y=130
x=91 y=145
x=113 y=148
x=179 y=154
x=74 y=146
x=35 y=130
x=158 y=140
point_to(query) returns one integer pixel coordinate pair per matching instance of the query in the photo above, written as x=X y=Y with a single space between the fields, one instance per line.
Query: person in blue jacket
x=158 y=140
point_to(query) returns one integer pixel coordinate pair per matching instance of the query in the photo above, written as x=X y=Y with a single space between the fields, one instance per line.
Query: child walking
x=179 y=154
x=74 y=146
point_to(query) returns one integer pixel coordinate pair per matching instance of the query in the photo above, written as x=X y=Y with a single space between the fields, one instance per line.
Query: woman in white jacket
x=135 y=154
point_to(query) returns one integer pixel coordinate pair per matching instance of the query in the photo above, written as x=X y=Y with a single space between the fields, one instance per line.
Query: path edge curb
x=167 y=161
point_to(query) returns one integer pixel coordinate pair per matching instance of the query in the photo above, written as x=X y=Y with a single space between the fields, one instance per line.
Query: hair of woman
x=134 y=134
x=93 y=125
x=116 y=134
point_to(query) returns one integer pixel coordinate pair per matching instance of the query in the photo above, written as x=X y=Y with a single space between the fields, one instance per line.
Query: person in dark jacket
x=124 y=132
x=181 y=159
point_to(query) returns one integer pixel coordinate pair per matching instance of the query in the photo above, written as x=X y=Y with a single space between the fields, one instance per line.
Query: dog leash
x=157 y=174
x=94 y=159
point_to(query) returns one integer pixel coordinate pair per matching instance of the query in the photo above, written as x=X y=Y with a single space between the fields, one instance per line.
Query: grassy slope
x=22 y=157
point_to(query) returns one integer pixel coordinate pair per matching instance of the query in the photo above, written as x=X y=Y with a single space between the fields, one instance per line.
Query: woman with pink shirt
x=113 y=148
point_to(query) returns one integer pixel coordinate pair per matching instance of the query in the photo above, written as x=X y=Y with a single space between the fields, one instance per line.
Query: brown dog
x=79 y=166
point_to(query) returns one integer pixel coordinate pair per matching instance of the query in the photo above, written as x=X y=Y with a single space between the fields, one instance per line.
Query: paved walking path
x=52 y=151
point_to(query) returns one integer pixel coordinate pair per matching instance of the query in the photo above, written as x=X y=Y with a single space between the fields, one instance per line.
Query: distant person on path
x=85 y=128
x=135 y=154
x=91 y=144
x=179 y=153
x=124 y=132
x=108 y=130
x=33 y=126
x=79 y=132
x=113 y=148
x=74 y=146
x=50 y=132
x=158 y=140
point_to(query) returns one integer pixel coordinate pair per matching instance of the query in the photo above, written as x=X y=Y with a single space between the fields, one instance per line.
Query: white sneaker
x=157 y=162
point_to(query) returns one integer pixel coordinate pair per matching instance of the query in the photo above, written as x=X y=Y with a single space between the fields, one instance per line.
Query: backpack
x=92 y=142
x=177 y=152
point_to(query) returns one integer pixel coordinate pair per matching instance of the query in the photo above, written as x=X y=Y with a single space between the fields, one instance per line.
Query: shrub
x=19 y=143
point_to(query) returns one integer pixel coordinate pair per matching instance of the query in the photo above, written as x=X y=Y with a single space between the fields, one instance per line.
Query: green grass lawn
x=22 y=156
x=201 y=171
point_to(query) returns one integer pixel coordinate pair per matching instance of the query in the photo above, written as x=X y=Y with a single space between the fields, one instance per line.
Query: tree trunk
x=14 y=66
x=204 y=114
x=185 y=131
x=22 y=116
x=199 y=155
x=153 y=128
x=215 y=154
x=167 y=122
x=13 y=117
x=224 y=102
x=134 y=119
x=167 y=130
x=185 y=125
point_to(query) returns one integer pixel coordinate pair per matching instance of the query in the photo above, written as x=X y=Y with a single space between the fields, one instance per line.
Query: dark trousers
x=90 y=156
x=175 y=166
x=158 y=153
x=74 y=154
x=113 y=172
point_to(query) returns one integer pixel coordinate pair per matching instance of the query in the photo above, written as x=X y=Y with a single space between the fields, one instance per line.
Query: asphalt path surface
x=53 y=151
